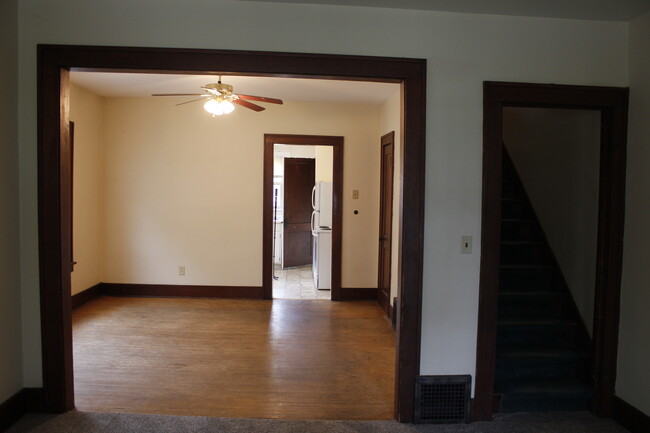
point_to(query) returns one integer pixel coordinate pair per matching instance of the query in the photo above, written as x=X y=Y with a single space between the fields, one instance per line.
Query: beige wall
x=185 y=189
x=633 y=383
x=557 y=154
x=324 y=163
x=391 y=121
x=11 y=368
x=87 y=112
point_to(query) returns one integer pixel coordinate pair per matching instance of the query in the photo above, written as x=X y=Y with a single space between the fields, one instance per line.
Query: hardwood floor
x=234 y=358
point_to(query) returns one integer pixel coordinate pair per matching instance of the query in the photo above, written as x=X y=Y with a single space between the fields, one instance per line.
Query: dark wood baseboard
x=358 y=294
x=86 y=296
x=24 y=401
x=170 y=290
x=11 y=410
x=34 y=400
x=630 y=417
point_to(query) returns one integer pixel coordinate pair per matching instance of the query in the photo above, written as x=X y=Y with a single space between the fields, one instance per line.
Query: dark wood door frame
x=337 y=205
x=54 y=63
x=386 y=140
x=612 y=104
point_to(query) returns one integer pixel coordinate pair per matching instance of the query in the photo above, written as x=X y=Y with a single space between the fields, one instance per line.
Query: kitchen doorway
x=306 y=236
x=302 y=222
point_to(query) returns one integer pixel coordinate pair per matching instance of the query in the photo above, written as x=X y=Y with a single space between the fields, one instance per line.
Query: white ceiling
x=607 y=10
x=116 y=84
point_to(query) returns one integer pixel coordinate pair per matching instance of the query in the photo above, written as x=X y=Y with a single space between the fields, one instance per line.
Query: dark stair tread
x=518 y=220
x=542 y=352
x=537 y=243
x=527 y=266
x=545 y=387
x=531 y=293
x=532 y=321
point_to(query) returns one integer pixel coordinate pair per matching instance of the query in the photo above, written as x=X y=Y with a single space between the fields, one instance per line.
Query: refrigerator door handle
x=313 y=197
x=312 y=223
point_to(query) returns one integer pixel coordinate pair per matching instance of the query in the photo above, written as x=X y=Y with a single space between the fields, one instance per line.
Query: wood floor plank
x=286 y=359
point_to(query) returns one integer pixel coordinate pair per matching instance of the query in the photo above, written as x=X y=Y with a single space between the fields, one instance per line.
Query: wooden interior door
x=385 y=220
x=299 y=177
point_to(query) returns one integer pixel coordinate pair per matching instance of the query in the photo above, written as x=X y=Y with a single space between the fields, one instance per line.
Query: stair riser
x=528 y=280
x=511 y=189
x=533 y=306
x=520 y=231
x=536 y=369
x=516 y=209
x=525 y=254
x=544 y=402
x=537 y=336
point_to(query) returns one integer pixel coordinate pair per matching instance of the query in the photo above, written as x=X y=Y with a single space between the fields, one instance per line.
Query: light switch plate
x=466 y=244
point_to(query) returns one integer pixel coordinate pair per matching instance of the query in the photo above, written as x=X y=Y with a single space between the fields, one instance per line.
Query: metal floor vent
x=442 y=399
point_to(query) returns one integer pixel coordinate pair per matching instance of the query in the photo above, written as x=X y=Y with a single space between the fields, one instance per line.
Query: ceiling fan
x=220 y=98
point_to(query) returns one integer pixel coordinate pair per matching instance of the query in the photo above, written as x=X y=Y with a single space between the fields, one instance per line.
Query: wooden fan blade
x=248 y=105
x=261 y=99
x=193 y=100
x=178 y=94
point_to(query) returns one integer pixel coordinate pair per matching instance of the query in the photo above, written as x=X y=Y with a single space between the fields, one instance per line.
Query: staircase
x=543 y=348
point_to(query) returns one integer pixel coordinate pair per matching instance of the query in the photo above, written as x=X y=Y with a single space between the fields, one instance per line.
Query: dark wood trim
x=53 y=227
x=184 y=291
x=612 y=103
x=11 y=410
x=166 y=290
x=337 y=206
x=72 y=262
x=411 y=240
x=34 y=400
x=27 y=400
x=394 y=308
x=359 y=294
x=86 y=296
x=53 y=136
x=386 y=140
x=630 y=417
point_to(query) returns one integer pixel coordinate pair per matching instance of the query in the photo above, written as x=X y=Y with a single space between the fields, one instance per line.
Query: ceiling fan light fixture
x=218 y=107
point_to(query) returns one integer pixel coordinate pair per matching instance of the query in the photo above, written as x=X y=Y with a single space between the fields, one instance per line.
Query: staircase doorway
x=611 y=103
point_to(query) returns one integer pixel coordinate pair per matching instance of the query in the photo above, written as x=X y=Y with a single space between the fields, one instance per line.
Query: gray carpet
x=91 y=422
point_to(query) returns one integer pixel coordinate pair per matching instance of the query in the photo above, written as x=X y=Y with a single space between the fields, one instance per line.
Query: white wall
x=462 y=50
x=633 y=382
x=391 y=121
x=557 y=154
x=185 y=189
x=87 y=112
x=10 y=340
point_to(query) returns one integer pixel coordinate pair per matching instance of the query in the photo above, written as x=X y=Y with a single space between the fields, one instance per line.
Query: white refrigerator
x=321 y=229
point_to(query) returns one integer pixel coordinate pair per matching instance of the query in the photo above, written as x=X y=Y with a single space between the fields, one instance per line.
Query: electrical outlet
x=181 y=270
x=355 y=194
x=466 y=244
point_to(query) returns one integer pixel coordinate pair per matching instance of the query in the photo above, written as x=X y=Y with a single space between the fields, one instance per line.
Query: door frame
x=386 y=139
x=336 y=143
x=54 y=64
x=612 y=103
